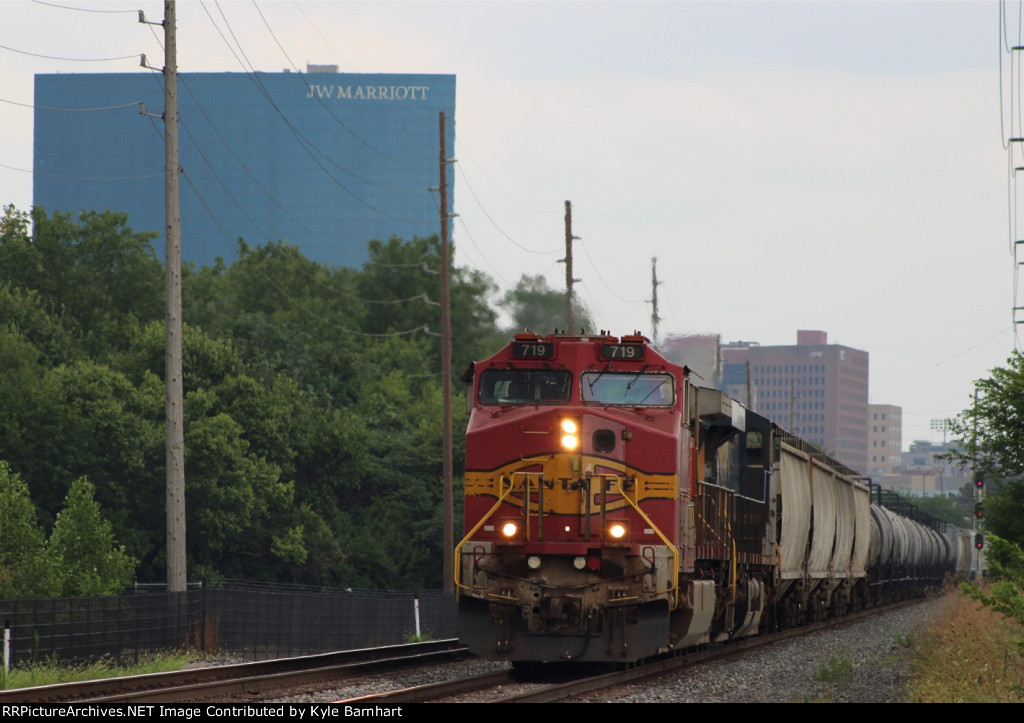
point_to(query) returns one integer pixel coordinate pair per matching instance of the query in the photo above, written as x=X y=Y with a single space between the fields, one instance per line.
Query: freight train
x=616 y=510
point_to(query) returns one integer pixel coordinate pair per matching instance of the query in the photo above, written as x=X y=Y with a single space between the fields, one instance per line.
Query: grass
x=52 y=672
x=837 y=669
x=969 y=654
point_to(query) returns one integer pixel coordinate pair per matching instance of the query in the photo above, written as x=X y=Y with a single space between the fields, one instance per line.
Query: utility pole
x=570 y=316
x=943 y=426
x=654 y=300
x=177 y=578
x=448 y=568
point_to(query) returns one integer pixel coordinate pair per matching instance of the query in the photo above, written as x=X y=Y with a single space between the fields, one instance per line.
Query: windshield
x=628 y=389
x=525 y=386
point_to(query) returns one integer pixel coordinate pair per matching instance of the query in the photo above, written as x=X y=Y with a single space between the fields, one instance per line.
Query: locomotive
x=615 y=510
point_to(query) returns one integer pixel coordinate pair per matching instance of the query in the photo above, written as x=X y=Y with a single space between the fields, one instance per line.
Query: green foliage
x=1006 y=570
x=837 y=669
x=532 y=305
x=25 y=570
x=82 y=547
x=992 y=434
x=52 y=672
x=312 y=435
x=946 y=508
x=1004 y=509
x=97 y=276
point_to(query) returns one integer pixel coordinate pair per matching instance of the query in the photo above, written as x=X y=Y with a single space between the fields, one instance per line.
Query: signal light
x=978 y=510
x=979 y=483
x=979 y=541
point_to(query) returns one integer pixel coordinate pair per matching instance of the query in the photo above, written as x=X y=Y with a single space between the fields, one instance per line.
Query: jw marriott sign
x=369 y=92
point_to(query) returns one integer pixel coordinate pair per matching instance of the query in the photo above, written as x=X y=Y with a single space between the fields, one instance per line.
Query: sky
x=792 y=165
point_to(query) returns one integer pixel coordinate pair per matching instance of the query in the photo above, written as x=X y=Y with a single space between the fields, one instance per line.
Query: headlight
x=569 y=439
x=617 y=530
x=509 y=529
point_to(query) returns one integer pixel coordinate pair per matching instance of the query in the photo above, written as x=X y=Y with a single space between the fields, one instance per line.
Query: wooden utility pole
x=177 y=577
x=570 y=316
x=446 y=377
x=654 y=300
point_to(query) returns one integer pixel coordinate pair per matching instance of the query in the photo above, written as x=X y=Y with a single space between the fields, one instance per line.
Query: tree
x=943 y=507
x=25 y=570
x=96 y=274
x=83 y=548
x=401 y=288
x=992 y=430
x=534 y=306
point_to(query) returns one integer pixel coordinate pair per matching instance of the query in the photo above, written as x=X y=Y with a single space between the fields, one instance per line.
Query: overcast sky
x=792 y=165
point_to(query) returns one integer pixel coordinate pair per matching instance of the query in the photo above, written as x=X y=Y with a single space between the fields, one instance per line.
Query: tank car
x=615 y=510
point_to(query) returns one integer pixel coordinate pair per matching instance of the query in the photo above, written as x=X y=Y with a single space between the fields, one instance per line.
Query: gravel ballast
x=861 y=662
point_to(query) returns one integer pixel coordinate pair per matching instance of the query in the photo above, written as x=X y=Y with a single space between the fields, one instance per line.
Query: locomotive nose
x=561 y=608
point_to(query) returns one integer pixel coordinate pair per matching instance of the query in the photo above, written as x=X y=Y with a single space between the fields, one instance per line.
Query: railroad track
x=553 y=682
x=220 y=682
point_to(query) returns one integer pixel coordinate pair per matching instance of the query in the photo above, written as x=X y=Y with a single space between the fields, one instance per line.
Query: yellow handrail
x=659 y=533
x=458 y=548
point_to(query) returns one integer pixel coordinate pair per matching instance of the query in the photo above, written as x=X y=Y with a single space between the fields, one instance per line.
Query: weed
x=967 y=655
x=55 y=672
x=837 y=669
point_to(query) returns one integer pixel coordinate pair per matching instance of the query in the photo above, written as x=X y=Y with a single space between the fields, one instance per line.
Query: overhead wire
x=73 y=60
x=301 y=76
x=304 y=142
x=294 y=304
x=71 y=110
x=201 y=197
x=246 y=66
x=323 y=37
x=83 y=10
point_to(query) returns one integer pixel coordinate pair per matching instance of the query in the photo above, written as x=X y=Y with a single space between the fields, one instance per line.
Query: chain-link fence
x=247 y=620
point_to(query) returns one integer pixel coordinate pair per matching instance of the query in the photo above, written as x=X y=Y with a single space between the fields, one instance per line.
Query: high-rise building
x=817 y=390
x=324 y=160
x=885 y=438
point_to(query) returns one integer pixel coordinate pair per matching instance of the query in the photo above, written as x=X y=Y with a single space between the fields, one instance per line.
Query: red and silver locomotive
x=614 y=510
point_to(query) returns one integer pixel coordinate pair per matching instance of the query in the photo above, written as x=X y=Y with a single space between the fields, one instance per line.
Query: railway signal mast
x=979 y=520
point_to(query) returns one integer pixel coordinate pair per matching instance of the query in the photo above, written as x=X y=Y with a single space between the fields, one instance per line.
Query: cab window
x=525 y=386
x=628 y=389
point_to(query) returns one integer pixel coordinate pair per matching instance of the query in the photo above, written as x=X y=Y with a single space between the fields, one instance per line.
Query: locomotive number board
x=533 y=350
x=628 y=352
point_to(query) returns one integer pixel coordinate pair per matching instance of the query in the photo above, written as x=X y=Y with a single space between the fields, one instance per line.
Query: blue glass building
x=324 y=160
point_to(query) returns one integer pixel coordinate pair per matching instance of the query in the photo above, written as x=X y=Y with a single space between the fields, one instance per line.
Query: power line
x=494 y=223
x=82 y=10
x=76 y=60
x=301 y=76
x=70 y=110
x=323 y=37
x=304 y=142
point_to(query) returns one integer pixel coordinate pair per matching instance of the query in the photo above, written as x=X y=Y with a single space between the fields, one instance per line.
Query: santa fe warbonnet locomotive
x=615 y=510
